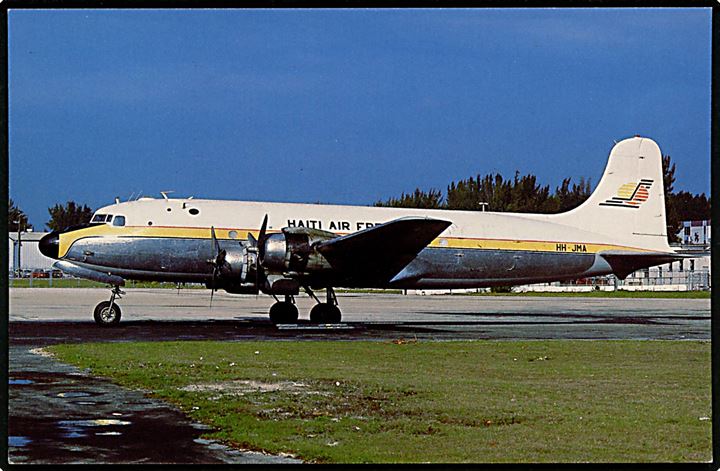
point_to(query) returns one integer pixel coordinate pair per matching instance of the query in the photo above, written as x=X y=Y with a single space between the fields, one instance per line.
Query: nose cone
x=49 y=245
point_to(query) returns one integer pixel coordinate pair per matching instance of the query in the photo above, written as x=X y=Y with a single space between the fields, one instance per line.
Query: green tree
x=418 y=199
x=672 y=216
x=566 y=198
x=490 y=189
x=668 y=174
x=685 y=206
x=16 y=217
x=62 y=217
x=527 y=196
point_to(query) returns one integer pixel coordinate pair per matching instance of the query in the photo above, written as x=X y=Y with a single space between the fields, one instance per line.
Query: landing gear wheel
x=317 y=313
x=325 y=313
x=283 y=312
x=333 y=315
x=107 y=314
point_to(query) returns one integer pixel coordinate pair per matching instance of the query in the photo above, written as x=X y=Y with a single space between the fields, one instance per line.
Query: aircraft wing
x=623 y=263
x=380 y=252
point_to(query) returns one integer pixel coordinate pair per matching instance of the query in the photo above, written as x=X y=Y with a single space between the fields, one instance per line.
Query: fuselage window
x=119 y=221
x=99 y=218
x=109 y=218
x=194 y=211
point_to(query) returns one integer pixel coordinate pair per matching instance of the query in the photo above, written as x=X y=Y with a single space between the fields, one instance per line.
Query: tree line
x=61 y=216
x=521 y=194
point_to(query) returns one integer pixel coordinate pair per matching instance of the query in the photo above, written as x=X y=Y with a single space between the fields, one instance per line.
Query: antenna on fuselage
x=165 y=193
x=117 y=200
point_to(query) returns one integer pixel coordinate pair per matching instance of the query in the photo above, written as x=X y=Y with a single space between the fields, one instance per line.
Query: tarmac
x=59 y=414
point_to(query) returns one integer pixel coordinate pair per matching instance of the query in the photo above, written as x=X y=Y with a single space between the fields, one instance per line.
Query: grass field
x=485 y=401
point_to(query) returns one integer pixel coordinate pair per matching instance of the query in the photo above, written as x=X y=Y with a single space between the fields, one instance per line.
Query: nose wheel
x=107 y=313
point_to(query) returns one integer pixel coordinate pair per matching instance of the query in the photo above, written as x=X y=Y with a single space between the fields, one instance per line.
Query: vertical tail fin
x=629 y=202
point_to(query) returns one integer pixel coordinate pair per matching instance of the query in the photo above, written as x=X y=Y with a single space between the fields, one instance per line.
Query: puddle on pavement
x=18 y=441
x=13 y=382
x=74 y=394
x=78 y=428
x=93 y=423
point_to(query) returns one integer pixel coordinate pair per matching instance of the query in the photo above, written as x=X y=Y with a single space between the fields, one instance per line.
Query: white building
x=30 y=257
x=695 y=233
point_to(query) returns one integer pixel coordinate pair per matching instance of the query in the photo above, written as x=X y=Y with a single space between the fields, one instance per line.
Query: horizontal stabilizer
x=378 y=253
x=625 y=262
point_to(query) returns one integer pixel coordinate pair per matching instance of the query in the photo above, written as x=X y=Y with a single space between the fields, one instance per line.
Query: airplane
x=280 y=248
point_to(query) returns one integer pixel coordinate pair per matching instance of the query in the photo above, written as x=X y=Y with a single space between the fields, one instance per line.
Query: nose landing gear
x=107 y=313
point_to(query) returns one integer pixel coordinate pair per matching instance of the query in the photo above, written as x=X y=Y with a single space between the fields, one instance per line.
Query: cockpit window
x=119 y=221
x=99 y=218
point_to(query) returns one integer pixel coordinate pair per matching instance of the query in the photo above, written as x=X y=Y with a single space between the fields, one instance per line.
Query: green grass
x=485 y=401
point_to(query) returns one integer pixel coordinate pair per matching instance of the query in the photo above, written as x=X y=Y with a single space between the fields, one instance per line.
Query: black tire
x=324 y=313
x=317 y=313
x=105 y=315
x=333 y=315
x=283 y=313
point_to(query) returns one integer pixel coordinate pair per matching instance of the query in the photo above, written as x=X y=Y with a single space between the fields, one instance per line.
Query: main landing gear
x=108 y=313
x=325 y=313
x=285 y=312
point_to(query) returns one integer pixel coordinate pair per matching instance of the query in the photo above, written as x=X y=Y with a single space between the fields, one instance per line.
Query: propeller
x=218 y=261
x=258 y=245
x=261 y=241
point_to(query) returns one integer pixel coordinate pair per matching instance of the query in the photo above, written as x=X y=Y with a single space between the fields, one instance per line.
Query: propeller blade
x=217 y=261
x=216 y=244
x=261 y=250
x=252 y=241
x=261 y=240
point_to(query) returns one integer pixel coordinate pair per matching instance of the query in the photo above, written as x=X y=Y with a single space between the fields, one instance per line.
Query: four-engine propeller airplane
x=277 y=248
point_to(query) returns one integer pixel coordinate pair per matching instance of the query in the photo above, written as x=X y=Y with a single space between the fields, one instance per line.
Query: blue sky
x=344 y=106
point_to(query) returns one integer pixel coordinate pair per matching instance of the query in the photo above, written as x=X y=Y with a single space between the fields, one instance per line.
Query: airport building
x=695 y=233
x=24 y=254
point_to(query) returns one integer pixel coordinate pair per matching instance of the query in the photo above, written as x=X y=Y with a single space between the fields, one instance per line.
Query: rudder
x=629 y=202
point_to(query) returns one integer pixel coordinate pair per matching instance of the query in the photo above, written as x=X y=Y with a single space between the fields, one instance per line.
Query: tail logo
x=630 y=195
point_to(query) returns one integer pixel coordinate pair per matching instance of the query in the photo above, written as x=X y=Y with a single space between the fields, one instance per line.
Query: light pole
x=483 y=205
x=19 y=249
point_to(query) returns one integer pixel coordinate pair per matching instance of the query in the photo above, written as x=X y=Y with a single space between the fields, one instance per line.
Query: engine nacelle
x=233 y=273
x=293 y=251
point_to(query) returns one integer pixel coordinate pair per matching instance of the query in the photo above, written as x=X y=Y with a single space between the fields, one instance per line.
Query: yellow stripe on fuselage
x=67 y=239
